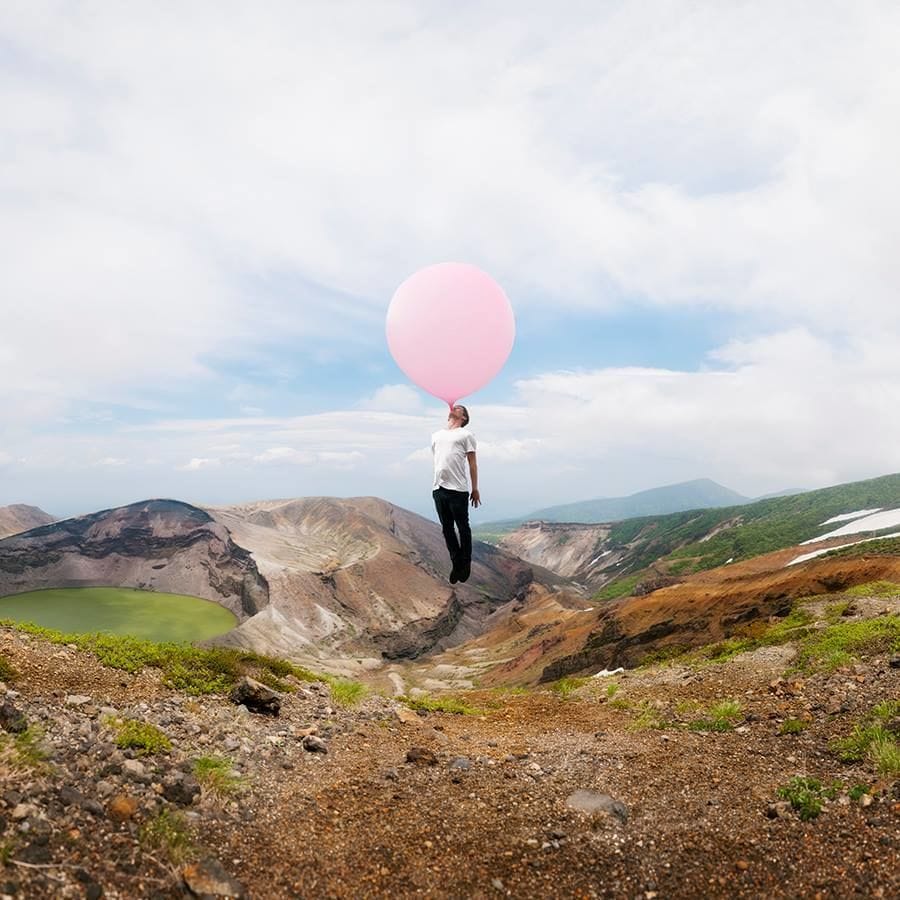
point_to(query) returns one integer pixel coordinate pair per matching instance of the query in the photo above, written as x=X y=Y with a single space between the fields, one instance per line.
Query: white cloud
x=199 y=462
x=285 y=455
x=111 y=461
x=395 y=398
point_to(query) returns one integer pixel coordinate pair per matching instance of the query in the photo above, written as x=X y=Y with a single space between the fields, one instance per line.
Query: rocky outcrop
x=692 y=614
x=357 y=580
x=19 y=517
x=162 y=545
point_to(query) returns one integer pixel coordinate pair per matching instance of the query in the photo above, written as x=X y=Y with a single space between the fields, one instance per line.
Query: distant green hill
x=699 y=494
x=703 y=539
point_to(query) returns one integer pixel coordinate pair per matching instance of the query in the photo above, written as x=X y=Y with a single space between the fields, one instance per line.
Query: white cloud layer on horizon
x=789 y=412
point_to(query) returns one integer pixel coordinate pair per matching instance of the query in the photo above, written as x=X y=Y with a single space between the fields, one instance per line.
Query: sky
x=206 y=207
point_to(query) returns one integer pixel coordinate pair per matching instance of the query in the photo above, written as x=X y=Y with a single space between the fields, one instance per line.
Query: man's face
x=455 y=418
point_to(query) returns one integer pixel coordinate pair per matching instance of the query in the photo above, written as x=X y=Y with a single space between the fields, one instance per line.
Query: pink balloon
x=450 y=328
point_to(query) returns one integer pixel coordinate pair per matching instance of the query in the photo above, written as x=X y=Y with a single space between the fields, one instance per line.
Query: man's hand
x=476 y=498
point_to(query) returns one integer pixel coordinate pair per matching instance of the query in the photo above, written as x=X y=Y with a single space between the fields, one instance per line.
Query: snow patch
x=843 y=517
x=596 y=558
x=815 y=553
x=889 y=518
x=603 y=673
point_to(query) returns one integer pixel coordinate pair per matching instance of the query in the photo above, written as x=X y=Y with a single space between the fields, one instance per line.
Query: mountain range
x=702 y=493
x=353 y=586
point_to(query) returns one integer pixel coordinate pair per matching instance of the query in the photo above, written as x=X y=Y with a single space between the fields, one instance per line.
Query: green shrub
x=840 y=644
x=140 y=736
x=875 y=589
x=648 y=717
x=792 y=726
x=807 y=796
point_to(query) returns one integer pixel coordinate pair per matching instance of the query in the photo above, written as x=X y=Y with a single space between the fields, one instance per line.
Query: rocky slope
x=353 y=581
x=621 y=789
x=19 y=517
x=162 y=545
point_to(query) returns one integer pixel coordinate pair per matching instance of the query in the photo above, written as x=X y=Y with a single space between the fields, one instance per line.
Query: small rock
x=778 y=810
x=256 y=697
x=421 y=756
x=12 y=719
x=865 y=800
x=497 y=884
x=93 y=891
x=314 y=744
x=461 y=763
x=392 y=775
x=593 y=802
x=407 y=716
x=104 y=788
x=208 y=878
x=181 y=788
x=92 y=806
x=742 y=865
x=894 y=662
x=22 y=811
x=134 y=769
x=121 y=808
x=77 y=699
x=68 y=796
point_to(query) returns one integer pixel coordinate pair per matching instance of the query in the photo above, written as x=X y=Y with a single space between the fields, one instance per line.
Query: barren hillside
x=19 y=517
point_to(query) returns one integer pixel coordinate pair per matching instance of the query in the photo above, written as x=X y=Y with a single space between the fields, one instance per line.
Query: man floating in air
x=453 y=447
x=426 y=315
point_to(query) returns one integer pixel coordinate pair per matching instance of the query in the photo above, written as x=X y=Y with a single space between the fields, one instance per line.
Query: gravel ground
x=489 y=812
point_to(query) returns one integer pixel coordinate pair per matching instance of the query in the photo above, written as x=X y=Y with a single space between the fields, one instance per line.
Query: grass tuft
x=24 y=751
x=568 y=684
x=193 y=670
x=7 y=672
x=169 y=832
x=872 y=740
x=720 y=716
x=346 y=692
x=215 y=773
x=451 y=705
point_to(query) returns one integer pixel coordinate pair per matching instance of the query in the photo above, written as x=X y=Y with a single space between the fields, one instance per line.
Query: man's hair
x=464 y=411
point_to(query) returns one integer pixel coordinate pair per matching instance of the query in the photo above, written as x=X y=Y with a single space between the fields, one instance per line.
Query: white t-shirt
x=449 y=447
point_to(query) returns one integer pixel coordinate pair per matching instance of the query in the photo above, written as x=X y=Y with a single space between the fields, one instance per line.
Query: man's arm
x=473 y=475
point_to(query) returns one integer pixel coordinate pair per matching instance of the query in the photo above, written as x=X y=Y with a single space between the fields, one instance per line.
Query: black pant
x=453 y=509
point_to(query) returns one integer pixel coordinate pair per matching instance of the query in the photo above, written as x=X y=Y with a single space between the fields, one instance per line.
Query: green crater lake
x=143 y=614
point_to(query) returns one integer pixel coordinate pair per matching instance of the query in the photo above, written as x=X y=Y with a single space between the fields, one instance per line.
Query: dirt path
x=371 y=824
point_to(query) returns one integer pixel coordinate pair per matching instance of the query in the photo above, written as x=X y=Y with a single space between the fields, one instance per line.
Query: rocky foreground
x=641 y=784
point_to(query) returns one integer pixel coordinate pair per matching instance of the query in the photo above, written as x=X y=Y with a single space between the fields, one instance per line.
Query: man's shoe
x=454 y=576
x=464 y=574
